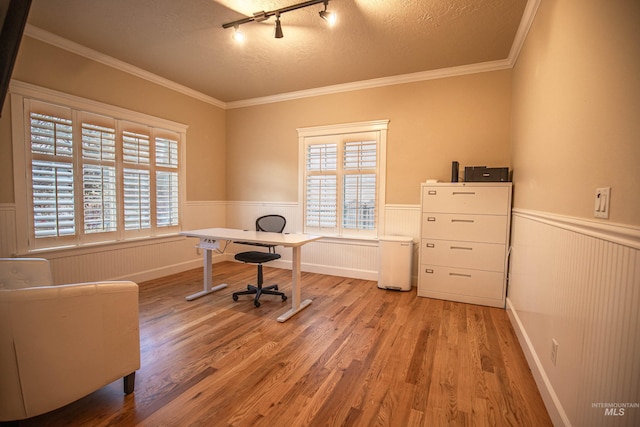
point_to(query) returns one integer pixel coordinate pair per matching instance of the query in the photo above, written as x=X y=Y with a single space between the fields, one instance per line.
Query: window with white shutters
x=92 y=177
x=341 y=179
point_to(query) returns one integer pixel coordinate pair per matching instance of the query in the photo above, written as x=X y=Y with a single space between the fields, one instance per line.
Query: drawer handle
x=462 y=248
x=462 y=220
x=431 y=245
x=431 y=218
x=432 y=192
x=428 y=270
x=464 y=193
x=460 y=275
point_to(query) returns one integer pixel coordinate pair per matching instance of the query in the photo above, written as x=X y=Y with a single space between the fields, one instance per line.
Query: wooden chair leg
x=129 y=383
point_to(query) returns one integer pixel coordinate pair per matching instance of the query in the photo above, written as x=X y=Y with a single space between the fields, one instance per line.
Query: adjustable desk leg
x=207 y=278
x=296 y=305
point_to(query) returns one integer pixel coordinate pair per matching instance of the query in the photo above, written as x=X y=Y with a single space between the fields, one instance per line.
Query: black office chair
x=272 y=223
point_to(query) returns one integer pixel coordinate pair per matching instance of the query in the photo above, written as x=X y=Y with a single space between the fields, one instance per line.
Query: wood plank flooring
x=357 y=356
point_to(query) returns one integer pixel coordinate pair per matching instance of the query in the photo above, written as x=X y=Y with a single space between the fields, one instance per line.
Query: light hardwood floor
x=357 y=356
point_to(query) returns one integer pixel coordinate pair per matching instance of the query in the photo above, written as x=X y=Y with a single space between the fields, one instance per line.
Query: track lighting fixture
x=330 y=17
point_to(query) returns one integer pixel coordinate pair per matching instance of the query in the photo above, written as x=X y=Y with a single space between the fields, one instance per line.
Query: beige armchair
x=60 y=343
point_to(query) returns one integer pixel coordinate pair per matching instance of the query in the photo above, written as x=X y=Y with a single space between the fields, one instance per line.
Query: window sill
x=89 y=248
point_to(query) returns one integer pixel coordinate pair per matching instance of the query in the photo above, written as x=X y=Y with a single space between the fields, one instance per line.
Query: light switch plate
x=602 y=202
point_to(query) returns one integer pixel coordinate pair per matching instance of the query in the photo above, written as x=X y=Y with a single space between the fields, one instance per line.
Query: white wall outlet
x=602 y=202
x=554 y=351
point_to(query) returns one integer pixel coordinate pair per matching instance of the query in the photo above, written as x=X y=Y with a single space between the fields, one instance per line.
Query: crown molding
x=374 y=83
x=523 y=29
x=73 y=47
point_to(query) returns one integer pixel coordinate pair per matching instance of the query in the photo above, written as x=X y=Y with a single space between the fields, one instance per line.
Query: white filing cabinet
x=465 y=242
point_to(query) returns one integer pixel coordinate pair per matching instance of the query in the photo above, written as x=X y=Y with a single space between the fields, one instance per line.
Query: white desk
x=209 y=241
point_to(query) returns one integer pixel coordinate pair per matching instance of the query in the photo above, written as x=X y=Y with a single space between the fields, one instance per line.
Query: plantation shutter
x=321 y=187
x=359 y=190
x=99 y=186
x=136 y=179
x=167 y=188
x=52 y=172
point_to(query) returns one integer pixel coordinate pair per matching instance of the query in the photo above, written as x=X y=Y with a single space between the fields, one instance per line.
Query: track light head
x=279 y=34
x=330 y=17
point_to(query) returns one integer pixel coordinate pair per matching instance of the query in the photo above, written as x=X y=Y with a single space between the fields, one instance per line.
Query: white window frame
x=344 y=132
x=21 y=95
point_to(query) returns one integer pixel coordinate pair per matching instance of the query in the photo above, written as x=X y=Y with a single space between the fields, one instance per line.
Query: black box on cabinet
x=485 y=174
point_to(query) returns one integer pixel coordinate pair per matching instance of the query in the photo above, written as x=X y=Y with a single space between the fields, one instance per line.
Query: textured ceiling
x=183 y=40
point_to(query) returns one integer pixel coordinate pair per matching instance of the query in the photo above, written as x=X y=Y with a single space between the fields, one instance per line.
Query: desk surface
x=280 y=239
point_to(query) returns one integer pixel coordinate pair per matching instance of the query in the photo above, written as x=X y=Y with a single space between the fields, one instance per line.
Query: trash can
x=394 y=271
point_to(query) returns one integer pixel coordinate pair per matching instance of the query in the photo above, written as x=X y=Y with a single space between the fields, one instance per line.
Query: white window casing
x=342 y=179
x=88 y=173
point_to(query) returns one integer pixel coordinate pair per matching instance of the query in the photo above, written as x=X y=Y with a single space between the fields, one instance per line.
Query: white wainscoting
x=578 y=282
x=152 y=258
x=347 y=258
x=138 y=261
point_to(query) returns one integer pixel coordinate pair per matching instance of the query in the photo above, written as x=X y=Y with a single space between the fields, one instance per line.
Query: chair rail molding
x=627 y=235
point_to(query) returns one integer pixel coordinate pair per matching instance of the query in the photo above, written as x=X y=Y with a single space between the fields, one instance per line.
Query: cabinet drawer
x=466 y=199
x=479 y=256
x=468 y=228
x=460 y=282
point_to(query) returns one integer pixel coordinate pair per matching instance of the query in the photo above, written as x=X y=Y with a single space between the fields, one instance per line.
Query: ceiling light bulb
x=238 y=35
x=331 y=18
x=279 y=34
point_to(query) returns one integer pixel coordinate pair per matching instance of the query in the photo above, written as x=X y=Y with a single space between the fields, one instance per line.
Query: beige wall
x=50 y=67
x=576 y=110
x=576 y=127
x=432 y=123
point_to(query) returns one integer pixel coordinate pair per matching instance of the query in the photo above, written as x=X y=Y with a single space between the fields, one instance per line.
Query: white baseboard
x=551 y=401
x=322 y=269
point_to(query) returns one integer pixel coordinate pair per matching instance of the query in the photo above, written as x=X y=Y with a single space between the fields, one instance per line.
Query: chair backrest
x=272 y=223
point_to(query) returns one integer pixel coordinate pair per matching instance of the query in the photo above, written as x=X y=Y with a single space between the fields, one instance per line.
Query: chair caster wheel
x=256 y=303
x=284 y=297
x=275 y=288
x=235 y=297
